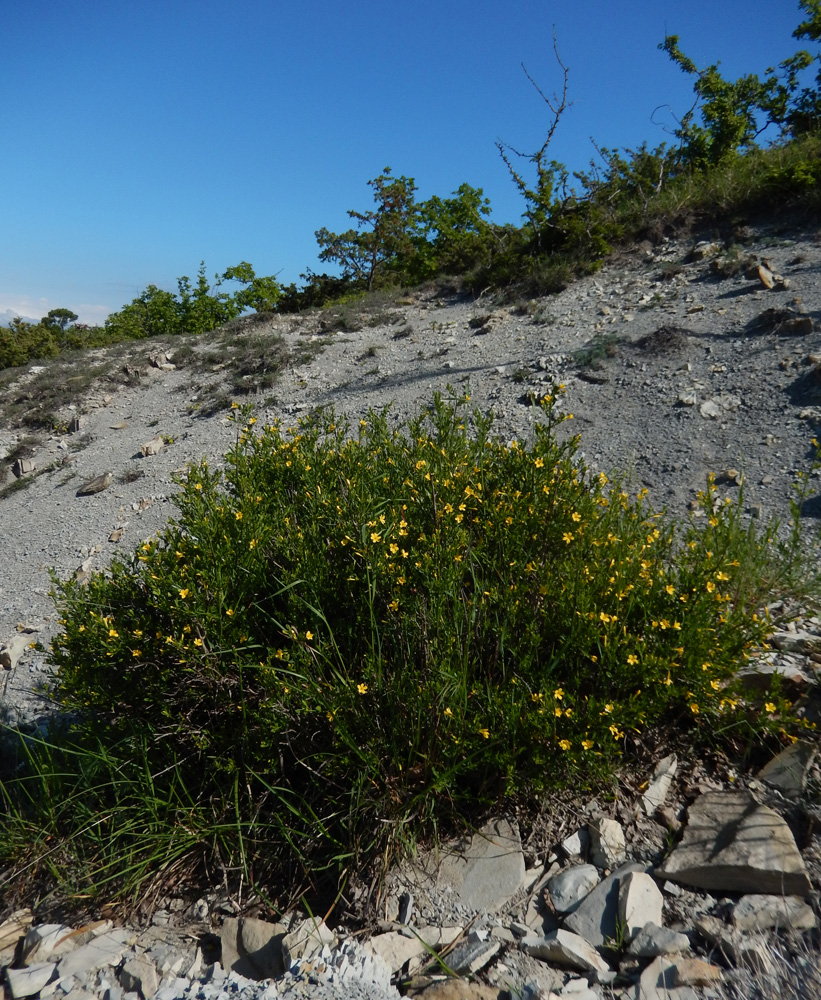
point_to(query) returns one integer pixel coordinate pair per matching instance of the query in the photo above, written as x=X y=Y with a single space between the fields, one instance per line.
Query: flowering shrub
x=355 y=625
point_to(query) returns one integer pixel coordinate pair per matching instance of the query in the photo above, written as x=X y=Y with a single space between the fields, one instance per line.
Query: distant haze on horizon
x=145 y=138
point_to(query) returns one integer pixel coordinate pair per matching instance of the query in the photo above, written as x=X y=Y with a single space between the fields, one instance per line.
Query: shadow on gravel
x=364 y=385
x=806 y=389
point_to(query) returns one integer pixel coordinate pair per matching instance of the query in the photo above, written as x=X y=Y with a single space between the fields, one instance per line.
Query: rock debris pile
x=609 y=911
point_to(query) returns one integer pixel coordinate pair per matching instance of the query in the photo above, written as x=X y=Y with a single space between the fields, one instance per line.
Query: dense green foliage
x=351 y=628
x=195 y=308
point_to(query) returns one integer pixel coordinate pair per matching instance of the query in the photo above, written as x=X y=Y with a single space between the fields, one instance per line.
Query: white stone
x=659 y=784
x=759 y=912
x=139 y=973
x=47 y=941
x=640 y=903
x=607 y=845
x=306 y=940
x=568 y=888
x=654 y=940
x=28 y=981
x=107 y=949
x=565 y=948
x=577 y=844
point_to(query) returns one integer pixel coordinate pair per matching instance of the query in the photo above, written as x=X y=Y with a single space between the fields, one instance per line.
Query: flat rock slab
x=788 y=771
x=488 y=869
x=759 y=913
x=107 y=949
x=734 y=844
x=565 y=948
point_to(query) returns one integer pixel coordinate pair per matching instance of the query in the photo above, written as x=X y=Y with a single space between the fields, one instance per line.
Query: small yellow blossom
x=309 y=635
x=564 y=744
x=632 y=659
x=198 y=486
x=230 y=612
x=769 y=707
x=362 y=688
x=113 y=633
x=184 y=593
x=694 y=707
x=587 y=744
x=448 y=712
x=485 y=733
x=558 y=694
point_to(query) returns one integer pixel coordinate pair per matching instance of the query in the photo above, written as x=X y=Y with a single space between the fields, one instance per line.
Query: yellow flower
x=375 y=536
x=184 y=593
x=670 y=589
x=557 y=712
x=564 y=744
x=617 y=733
x=136 y=652
x=558 y=694
x=252 y=544
x=198 y=486
x=575 y=516
x=309 y=635
x=539 y=463
x=198 y=642
x=238 y=515
x=769 y=707
x=230 y=612
x=485 y=733
x=587 y=744
x=694 y=707
x=567 y=537
x=362 y=688
x=448 y=713
x=632 y=659
x=113 y=633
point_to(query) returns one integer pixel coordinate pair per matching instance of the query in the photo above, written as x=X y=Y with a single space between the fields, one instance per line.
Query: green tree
x=381 y=245
x=61 y=318
x=452 y=235
x=153 y=313
x=734 y=113
x=201 y=307
x=260 y=293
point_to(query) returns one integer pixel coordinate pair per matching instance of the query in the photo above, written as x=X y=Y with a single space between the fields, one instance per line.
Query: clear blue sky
x=140 y=138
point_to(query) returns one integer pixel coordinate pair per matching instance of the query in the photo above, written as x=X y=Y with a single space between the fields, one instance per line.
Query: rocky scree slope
x=677 y=361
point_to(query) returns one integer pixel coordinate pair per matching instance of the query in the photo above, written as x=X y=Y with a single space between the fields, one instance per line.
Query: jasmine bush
x=357 y=631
